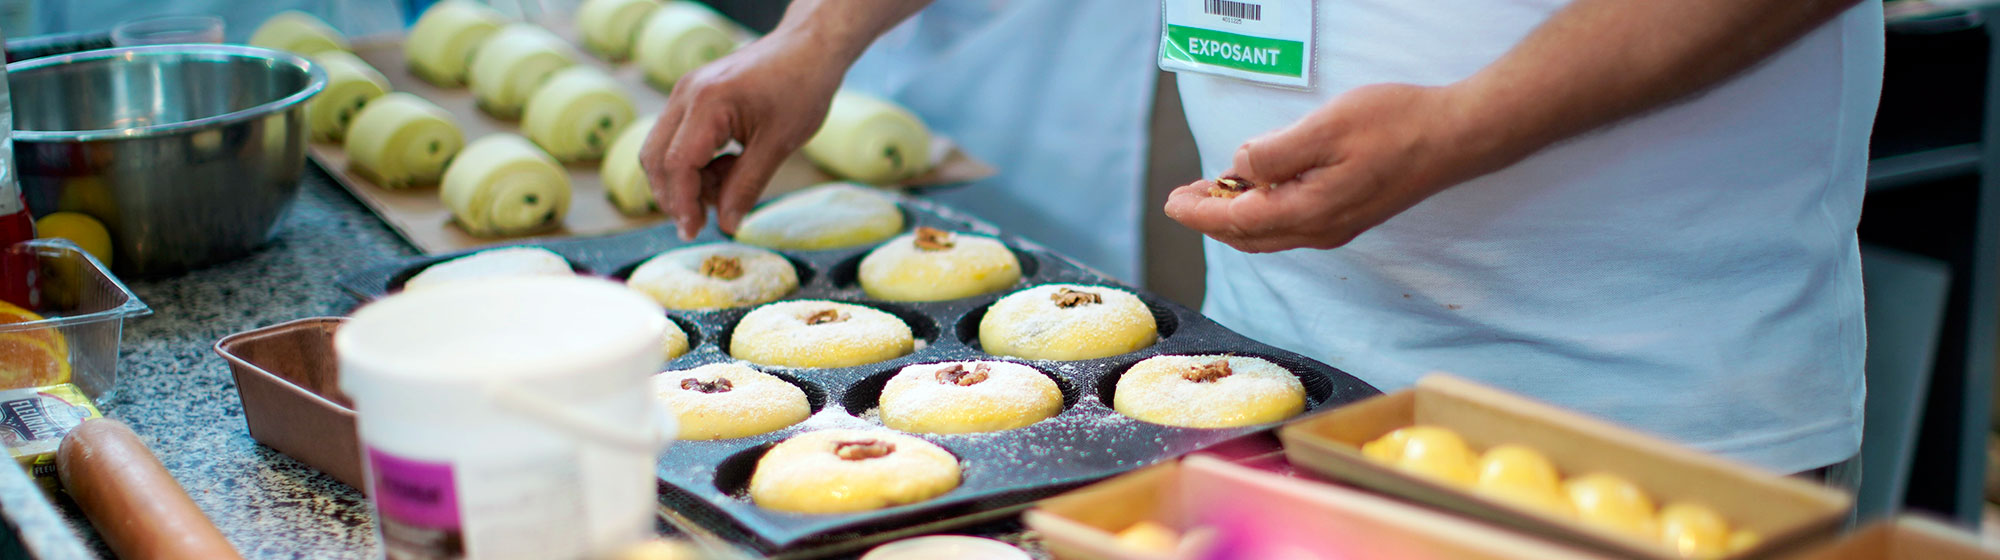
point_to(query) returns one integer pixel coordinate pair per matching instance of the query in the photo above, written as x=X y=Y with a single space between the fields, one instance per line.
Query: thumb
x=1277 y=156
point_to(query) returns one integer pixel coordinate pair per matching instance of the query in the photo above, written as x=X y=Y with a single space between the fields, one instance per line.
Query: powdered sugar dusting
x=674 y=278
x=779 y=334
x=826 y=217
x=803 y=473
x=496 y=263
x=1256 y=392
x=1029 y=324
x=1013 y=395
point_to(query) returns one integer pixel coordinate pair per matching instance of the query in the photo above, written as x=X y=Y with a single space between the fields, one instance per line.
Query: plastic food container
x=84 y=303
x=1786 y=511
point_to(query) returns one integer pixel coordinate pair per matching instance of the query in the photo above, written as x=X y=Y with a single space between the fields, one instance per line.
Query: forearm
x=843 y=29
x=1598 y=61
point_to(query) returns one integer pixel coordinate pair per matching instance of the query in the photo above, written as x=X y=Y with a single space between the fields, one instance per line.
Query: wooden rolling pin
x=128 y=495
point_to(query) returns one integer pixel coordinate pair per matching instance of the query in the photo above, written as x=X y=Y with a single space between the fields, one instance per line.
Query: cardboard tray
x=1902 y=538
x=706 y=480
x=422 y=219
x=1201 y=491
x=1786 y=511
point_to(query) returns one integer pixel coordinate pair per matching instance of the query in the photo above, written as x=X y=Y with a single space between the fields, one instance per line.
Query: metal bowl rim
x=316 y=81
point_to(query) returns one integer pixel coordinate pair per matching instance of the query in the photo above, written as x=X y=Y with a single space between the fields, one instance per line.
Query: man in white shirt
x=1642 y=210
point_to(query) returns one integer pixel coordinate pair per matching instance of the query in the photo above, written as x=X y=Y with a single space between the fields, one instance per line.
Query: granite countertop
x=181 y=399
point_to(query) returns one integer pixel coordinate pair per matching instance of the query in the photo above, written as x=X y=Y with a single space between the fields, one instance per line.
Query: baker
x=1642 y=210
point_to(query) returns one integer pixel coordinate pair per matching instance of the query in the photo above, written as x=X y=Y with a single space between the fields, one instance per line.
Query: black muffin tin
x=706 y=482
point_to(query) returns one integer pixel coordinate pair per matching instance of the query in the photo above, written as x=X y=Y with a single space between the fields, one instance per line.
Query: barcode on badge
x=1238 y=10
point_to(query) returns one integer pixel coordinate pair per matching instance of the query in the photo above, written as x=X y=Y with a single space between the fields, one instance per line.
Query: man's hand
x=1350 y=165
x=770 y=97
x=1376 y=151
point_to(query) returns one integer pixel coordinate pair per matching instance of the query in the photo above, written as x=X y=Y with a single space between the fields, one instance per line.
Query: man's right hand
x=770 y=96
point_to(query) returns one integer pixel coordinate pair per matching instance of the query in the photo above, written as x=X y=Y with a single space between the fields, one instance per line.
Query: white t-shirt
x=1692 y=272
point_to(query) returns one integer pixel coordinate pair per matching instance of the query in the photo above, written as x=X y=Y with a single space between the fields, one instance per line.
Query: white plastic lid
x=506 y=329
x=955 y=547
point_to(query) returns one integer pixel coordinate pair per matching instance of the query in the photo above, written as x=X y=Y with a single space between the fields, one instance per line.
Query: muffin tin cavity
x=706 y=482
x=800 y=266
x=691 y=329
x=864 y=396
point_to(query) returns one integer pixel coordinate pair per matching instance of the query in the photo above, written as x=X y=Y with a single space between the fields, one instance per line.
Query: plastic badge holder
x=705 y=482
x=81 y=300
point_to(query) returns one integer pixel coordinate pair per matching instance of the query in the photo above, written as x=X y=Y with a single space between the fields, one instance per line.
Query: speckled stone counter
x=179 y=395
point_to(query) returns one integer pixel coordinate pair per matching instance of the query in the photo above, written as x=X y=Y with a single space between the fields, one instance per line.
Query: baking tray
x=419 y=217
x=705 y=480
x=1787 y=511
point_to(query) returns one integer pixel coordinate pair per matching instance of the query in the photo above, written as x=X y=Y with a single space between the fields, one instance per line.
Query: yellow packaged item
x=34 y=421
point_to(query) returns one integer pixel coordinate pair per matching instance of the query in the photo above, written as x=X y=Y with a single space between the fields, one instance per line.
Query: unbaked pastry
x=715 y=276
x=839 y=471
x=496 y=263
x=1209 y=391
x=724 y=401
x=1067 y=322
x=819 y=334
x=827 y=216
x=968 y=397
x=935 y=265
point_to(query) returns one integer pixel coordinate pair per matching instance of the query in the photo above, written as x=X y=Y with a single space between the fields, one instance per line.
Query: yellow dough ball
x=574 y=115
x=937 y=265
x=350 y=84
x=495 y=263
x=625 y=181
x=399 y=140
x=725 y=401
x=826 y=216
x=968 y=397
x=1743 y=540
x=1151 y=537
x=1694 y=531
x=675 y=343
x=1067 y=322
x=679 y=37
x=1388 y=447
x=1612 y=502
x=299 y=33
x=1523 y=476
x=609 y=27
x=819 y=334
x=1439 y=454
x=1211 y=391
x=714 y=276
x=505 y=185
x=512 y=65
x=840 y=471
x=440 y=46
x=871 y=140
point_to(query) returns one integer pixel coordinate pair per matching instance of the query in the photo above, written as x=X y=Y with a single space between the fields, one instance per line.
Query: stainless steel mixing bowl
x=189 y=154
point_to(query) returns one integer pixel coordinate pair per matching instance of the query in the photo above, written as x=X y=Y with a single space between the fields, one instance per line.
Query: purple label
x=414 y=492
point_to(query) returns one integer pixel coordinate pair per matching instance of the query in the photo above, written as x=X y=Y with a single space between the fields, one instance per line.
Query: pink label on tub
x=417 y=503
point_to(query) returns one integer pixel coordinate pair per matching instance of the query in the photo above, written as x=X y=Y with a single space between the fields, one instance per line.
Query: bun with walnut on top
x=1067 y=322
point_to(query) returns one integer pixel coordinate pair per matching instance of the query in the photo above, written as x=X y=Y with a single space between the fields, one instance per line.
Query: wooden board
x=422 y=219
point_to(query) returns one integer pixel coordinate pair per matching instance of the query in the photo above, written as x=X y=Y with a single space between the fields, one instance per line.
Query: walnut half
x=1067 y=298
x=1229 y=187
x=721 y=267
x=825 y=316
x=1209 y=372
x=863 y=450
x=956 y=374
x=934 y=239
x=719 y=385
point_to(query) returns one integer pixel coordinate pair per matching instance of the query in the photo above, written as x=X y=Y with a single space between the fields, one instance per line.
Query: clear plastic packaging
x=82 y=302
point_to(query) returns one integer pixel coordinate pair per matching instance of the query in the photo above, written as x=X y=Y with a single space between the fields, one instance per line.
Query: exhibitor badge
x=1264 y=41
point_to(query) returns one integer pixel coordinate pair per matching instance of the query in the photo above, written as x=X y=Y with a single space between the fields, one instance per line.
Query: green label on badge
x=1229 y=50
